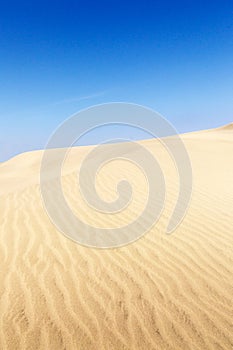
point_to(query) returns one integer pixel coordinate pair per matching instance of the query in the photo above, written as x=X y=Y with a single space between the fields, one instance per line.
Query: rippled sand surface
x=161 y=292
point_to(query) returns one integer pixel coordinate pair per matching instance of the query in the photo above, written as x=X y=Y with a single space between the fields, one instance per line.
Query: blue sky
x=57 y=57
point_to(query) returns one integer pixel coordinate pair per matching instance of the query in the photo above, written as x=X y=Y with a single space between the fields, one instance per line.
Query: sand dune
x=161 y=292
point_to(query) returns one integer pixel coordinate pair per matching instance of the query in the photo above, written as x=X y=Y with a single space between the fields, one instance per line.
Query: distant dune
x=161 y=292
x=228 y=127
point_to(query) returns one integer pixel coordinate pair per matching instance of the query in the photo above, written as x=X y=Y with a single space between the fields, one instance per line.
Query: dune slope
x=161 y=292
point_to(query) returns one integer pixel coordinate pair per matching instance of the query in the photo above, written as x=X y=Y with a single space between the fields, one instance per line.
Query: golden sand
x=160 y=292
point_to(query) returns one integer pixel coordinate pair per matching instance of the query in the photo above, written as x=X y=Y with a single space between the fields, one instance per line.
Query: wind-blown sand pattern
x=161 y=292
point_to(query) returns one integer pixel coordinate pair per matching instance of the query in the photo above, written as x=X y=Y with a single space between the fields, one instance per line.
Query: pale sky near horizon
x=57 y=58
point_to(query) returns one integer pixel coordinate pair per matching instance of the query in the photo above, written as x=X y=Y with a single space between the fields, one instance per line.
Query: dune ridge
x=161 y=292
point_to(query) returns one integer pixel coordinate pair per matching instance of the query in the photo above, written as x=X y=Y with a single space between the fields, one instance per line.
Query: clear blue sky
x=57 y=57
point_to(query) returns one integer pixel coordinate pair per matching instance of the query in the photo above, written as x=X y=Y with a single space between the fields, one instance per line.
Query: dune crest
x=227 y=127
